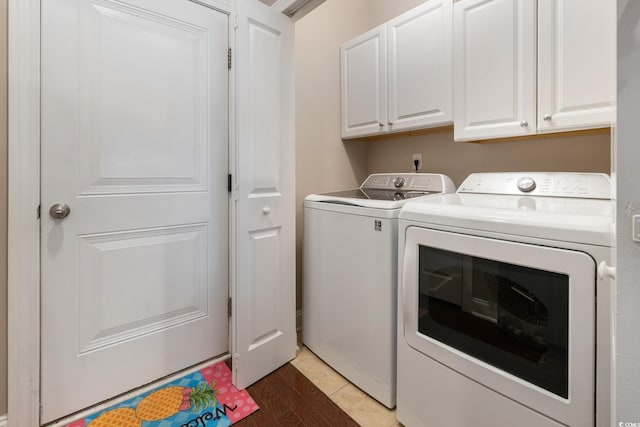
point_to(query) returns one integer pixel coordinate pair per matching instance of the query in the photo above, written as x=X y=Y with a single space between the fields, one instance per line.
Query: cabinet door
x=364 y=84
x=420 y=66
x=576 y=64
x=494 y=68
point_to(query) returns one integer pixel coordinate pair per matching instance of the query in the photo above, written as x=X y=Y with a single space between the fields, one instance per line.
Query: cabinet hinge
x=229 y=309
x=229 y=58
x=229 y=180
x=38 y=212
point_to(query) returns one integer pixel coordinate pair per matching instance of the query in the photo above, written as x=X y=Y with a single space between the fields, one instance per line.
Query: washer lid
x=587 y=221
x=367 y=198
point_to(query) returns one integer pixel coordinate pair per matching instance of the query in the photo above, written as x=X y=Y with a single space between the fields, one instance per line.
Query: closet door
x=494 y=68
x=263 y=286
x=576 y=64
x=420 y=67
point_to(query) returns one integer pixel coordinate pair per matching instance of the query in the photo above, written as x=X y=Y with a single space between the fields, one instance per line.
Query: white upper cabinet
x=364 y=83
x=419 y=62
x=576 y=64
x=398 y=76
x=494 y=68
x=522 y=67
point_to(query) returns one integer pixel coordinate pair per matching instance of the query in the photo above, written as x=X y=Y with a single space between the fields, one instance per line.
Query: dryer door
x=518 y=318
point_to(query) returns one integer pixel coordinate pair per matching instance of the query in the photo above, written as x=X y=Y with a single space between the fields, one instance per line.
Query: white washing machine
x=350 y=273
x=503 y=318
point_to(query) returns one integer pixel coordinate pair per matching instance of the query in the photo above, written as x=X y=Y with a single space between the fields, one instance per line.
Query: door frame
x=23 y=245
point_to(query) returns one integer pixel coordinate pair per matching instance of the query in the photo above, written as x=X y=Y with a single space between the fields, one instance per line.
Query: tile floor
x=362 y=408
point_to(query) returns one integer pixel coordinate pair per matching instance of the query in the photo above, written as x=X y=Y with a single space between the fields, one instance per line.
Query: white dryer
x=503 y=320
x=350 y=272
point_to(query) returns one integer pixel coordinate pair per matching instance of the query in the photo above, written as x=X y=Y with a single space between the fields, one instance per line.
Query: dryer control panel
x=548 y=184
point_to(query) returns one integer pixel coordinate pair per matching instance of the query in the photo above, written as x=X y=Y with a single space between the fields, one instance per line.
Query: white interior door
x=135 y=141
x=264 y=288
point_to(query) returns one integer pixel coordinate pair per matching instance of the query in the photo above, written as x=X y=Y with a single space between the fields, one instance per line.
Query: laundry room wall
x=586 y=151
x=3 y=207
x=380 y=11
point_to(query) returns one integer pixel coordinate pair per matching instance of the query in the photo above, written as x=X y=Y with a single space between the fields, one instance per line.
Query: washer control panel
x=550 y=184
x=398 y=182
x=423 y=182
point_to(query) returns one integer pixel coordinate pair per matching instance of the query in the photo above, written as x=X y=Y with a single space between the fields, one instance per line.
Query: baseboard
x=3 y=421
x=298 y=321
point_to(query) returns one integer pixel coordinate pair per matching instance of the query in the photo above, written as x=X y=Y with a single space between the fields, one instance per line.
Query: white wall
x=628 y=204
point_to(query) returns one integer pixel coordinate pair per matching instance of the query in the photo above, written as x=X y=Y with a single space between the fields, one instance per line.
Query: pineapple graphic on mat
x=168 y=401
x=159 y=405
x=121 y=417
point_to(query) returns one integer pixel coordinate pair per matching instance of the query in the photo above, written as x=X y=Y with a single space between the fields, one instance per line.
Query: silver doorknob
x=524 y=123
x=546 y=118
x=59 y=211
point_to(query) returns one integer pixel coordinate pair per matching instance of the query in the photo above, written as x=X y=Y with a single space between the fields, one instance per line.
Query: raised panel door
x=494 y=68
x=576 y=64
x=135 y=141
x=363 y=80
x=264 y=332
x=419 y=60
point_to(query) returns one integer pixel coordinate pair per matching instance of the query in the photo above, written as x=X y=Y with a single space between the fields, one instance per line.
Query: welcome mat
x=205 y=398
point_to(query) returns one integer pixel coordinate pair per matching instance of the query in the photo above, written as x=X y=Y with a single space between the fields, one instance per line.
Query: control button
x=526 y=184
x=398 y=182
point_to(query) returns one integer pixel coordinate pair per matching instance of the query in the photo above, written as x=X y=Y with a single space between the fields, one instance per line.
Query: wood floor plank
x=287 y=398
x=306 y=410
x=290 y=418
x=331 y=412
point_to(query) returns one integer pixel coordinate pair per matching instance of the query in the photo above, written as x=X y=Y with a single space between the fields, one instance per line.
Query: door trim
x=23 y=275
x=23 y=245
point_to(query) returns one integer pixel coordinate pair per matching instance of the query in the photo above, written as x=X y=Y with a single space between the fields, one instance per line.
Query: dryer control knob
x=398 y=182
x=526 y=184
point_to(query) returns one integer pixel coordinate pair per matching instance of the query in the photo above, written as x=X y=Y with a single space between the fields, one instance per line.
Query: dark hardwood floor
x=287 y=398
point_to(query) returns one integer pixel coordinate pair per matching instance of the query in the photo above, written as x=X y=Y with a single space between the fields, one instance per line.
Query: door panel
x=135 y=141
x=126 y=263
x=168 y=80
x=264 y=299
